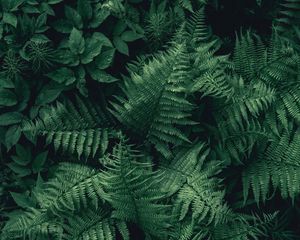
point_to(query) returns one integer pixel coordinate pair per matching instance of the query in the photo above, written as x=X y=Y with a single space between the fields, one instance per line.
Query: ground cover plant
x=149 y=119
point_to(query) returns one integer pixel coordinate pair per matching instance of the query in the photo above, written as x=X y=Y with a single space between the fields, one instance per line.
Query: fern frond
x=279 y=166
x=194 y=183
x=34 y=225
x=155 y=105
x=241 y=227
x=239 y=140
x=94 y=225
x=73 y=187
x=133 y=191
x=82 y=128
x=289 y=15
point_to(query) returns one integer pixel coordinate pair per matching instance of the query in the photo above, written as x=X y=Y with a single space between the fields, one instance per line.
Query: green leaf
x=130 y=36
x=121 y=46
x=62 y=75
x=84 y=8
x=99 y=17
x=10 y=18
x=39 y=162
x=119 y=28
x=101 y=76
x=12 y=136
x=10 y=118
x=105 y=59
x=7 y=98
x=48 y=94
x=54 y=1
x=93 y=48
x=5 y=81
x=74 y=17
x=62 y=26
x=22 y=200
x=76 y=41
x=20 y=170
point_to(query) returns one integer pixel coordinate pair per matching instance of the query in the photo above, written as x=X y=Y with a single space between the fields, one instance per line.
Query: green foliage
x=136 y=119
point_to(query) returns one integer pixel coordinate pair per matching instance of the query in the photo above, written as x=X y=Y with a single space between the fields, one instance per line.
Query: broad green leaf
x=48 y=94
x=10 y=18
x=62 y=75
x=85 y=9
x=40 y=23
x=121 y=46
x=54 y=1
x=12 y=136
x=73 y=16
x=93 y=48
x=20 y=170
x=103 y=39
x=101 y=76
x=39 y=162
x=100 y=14
x=130 y=36
x=10 y=118
x=63 y=26
x=7 y=98
x=76 y=41
x=105 y=59
x=119 y=28
x=5 y=82
x=22 y=200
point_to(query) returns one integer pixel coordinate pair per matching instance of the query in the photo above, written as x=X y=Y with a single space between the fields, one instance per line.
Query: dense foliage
x=149 y=119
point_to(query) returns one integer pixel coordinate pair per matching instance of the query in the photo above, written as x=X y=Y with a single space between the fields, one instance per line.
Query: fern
x=72 y=188
x=94 y=225
x=279 y=166
x=155 y=105
x=82 y=129
x=34 y=225
x=133 y=191
x=194 y=183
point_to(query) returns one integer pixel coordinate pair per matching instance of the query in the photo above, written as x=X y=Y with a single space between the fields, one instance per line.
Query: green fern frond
x=94 y=225
x=289 y=15
x=193 y=182
x=73 y=187
x=242 y=227
x=81 y=128
x=155 y=105
x=239 y=141
x=279 y=166
x=34 y=225
x=133 y=191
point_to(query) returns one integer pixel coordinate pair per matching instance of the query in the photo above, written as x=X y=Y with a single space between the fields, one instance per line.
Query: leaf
x=22 y=200
x=12 y=136
x=62 y=75
x=101 y=76
x=20 y=170
x=10 y=18
x=121 y=46
x=7 y=98
x=10 y=118
x=48 y=94
x=62 y=26
x=5 y=81
x=105 y=59
x=76 y=41
x=84 y=8
x=74 y=17
x=40 y=23
x=93 y=48
x=130 y=36
x=39 y=162
x=99 y=17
